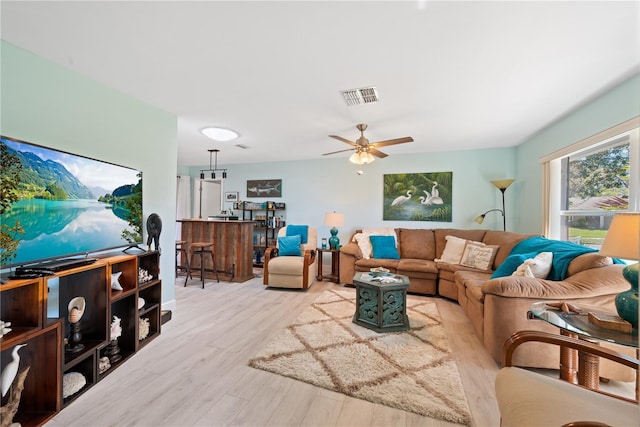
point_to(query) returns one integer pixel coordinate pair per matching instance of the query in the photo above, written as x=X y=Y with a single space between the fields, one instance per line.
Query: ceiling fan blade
x=339 y=138
x=393 y=141
x=336 y=152
x=377 y=153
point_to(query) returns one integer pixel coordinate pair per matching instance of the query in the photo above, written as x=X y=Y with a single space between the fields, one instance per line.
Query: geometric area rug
x=411 y=370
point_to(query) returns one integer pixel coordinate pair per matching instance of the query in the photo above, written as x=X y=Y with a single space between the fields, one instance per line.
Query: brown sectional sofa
x=496 y=307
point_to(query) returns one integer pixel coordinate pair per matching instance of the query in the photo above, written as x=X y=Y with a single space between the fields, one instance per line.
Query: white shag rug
x=411 y=370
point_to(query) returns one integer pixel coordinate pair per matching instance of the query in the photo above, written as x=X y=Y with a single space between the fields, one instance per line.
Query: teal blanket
x=563 y=253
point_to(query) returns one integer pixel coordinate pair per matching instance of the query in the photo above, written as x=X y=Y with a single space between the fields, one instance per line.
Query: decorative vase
x=333 y=240
x=627 y=301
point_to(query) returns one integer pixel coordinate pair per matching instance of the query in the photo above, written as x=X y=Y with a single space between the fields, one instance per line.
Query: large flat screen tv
x=56 y=204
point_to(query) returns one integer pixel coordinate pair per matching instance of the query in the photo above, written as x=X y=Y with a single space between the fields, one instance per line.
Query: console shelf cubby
x=38 y=312
x=22 y=304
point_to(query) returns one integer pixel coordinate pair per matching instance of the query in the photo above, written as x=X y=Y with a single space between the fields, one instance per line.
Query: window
x=588 y=182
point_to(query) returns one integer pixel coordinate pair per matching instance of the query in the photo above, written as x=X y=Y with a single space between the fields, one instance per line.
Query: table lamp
x=334 y=220
x=623 y=241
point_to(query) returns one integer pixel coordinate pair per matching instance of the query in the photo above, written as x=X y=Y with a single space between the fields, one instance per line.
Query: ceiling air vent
x=244 y=147
x=363 y=95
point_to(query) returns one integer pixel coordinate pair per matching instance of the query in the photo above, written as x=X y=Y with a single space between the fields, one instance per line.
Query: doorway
x=207 y=200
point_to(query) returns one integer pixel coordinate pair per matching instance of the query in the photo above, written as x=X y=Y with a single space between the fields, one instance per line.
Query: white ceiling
x=453 y=75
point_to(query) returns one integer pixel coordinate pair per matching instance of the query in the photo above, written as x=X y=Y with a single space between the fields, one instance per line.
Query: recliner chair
x=290 y=271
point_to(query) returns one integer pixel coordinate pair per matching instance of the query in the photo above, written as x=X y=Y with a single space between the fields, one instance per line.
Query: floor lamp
x=502 y=185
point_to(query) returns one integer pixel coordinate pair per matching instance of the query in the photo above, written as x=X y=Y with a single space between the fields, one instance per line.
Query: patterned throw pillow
x=479 y=256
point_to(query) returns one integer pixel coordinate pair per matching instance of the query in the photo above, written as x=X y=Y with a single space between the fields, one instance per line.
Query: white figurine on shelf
x=116 y=329
x=10 y=371
x=4 y=328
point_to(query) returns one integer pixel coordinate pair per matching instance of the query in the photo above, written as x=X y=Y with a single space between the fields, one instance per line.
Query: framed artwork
x=417 y=197
x=264 y=188
x=231 y=196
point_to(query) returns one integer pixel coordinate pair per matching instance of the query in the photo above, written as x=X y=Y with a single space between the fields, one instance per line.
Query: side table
x=381 y=306
x=335 y=265
x=575 y=365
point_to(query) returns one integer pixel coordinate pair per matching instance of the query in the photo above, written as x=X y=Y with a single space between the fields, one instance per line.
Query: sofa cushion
x=440 y=235
x=417 y=243
x=417 y=265
x=506 y=240
x=384 y=247
x=471 y=279
x=588 y=261
x=366 y=264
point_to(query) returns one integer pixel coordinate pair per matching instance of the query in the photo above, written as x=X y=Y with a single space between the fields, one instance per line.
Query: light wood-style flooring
x=195 y=373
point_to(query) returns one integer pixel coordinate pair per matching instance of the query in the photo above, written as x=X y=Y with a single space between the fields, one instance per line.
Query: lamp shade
x=623 y=237
x=334 y=219
x=502 y=184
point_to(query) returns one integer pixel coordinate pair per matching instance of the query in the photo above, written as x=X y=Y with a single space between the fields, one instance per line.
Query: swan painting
x=401 y=199
x=417 y=197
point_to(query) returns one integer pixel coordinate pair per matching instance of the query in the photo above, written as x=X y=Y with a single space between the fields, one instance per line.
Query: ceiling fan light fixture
x=366 y=158
x=355 y=158
x=219 y=134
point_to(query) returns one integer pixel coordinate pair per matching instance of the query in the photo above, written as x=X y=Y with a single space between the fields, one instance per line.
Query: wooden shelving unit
x=22 y=303
x=38 y=310
x=265 y=228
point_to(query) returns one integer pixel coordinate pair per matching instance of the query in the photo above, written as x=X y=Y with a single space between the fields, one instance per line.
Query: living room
x=50 y=104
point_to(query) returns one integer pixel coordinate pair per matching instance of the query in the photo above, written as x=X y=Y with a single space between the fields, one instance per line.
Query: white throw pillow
x=453 y=250
x=363 y=241
x=478 y=255
x=538 y=267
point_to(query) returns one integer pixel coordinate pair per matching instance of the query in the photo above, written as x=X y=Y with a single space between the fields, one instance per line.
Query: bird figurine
x=401 y=199
x=10 y=371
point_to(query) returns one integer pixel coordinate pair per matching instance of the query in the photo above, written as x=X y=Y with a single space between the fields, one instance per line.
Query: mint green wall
x=312 y=187
x=614 y=107
x=49 y=105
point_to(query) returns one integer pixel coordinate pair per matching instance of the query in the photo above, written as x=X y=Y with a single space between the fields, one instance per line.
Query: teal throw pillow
x=511 y=264
x=289 y=245
x=384 y=247
x=302 y=230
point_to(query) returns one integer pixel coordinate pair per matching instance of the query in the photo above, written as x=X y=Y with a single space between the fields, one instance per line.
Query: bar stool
x=202 y=248
x=181 y=250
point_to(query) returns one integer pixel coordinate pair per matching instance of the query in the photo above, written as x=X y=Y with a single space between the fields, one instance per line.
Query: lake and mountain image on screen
x=56 y=204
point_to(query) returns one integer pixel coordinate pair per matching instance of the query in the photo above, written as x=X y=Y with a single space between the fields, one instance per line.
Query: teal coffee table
x=381 y=301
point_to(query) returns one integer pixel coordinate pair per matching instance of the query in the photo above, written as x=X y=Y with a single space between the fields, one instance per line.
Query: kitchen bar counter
x=232 y=246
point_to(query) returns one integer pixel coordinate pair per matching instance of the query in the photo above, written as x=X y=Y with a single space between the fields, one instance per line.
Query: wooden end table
x=380 y=306
x=335 y=265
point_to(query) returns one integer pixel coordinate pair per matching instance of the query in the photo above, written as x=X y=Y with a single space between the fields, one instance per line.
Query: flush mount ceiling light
x=219 y=134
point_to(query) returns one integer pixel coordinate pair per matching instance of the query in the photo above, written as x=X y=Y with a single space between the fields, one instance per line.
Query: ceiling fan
x=365 y=150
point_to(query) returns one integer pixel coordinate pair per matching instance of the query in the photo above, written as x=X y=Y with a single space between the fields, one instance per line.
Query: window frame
x=553 y=181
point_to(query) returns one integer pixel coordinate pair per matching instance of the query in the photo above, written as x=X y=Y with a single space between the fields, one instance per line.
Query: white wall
x=49 y=105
